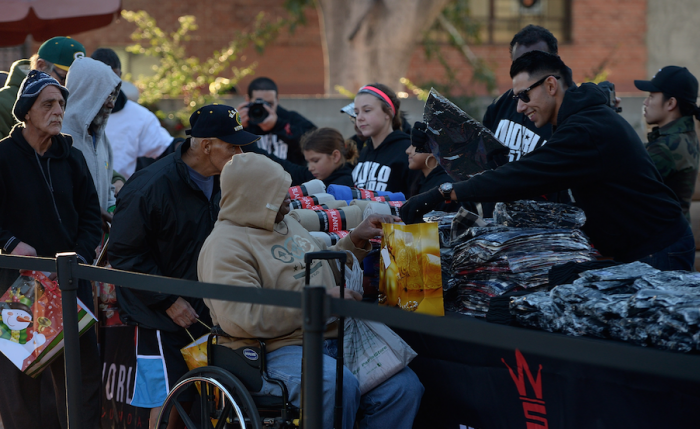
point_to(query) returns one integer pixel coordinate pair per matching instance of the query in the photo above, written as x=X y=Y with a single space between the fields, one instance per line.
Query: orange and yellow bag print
x=410 y=275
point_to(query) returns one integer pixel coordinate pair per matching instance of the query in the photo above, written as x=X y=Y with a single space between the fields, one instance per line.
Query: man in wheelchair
x=255 y=244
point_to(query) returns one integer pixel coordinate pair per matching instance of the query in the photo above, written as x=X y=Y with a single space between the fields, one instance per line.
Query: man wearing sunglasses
x=53 y=58
x=630 y=214
x=93 y=90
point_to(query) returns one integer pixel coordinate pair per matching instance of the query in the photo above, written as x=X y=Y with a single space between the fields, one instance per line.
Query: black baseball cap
x=222 y=122
x=675 y=81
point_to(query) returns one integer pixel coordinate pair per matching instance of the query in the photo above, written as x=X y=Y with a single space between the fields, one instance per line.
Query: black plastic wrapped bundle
x=632 y=302
x=462 y=145
x=535 y=214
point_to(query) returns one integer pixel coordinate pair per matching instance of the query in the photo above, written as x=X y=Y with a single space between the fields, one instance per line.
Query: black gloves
x=419 y=139
x=414 y=209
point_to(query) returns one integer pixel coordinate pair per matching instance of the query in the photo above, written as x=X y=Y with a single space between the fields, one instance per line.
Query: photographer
x=281 y=129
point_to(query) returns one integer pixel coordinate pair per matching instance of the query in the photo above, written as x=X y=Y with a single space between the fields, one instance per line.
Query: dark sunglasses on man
x=60 y=77
x=523 y=95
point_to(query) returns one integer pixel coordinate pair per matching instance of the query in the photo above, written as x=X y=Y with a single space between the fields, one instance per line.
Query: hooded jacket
x=8 y=95
x=47 y=201
x=247 y=248
x=162 y=219
x=386 y=167
x=594 y=152
x=90 y=82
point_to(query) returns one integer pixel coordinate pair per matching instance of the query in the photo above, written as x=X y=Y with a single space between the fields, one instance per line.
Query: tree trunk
x=370 y=41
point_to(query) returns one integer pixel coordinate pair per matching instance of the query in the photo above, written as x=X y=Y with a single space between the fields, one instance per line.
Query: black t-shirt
x=514 y=129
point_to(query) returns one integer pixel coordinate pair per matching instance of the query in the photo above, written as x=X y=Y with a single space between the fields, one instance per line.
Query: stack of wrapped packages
x=330 y=213
x=513 y=252
x=632 y=302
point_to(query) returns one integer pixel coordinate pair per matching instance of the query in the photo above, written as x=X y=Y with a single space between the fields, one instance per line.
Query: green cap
x=61 y=51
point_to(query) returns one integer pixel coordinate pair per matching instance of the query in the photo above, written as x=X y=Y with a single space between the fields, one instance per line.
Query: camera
x=609 y=89
x=257 y=112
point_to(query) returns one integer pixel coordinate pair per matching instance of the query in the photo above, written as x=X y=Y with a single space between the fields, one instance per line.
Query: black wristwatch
x=446 y=191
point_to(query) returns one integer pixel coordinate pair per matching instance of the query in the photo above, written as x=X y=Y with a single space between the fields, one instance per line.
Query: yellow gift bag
x=195 y=353
x=410 y=275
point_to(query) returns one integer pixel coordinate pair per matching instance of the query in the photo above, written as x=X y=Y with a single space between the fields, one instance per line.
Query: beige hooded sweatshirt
x=247 y=248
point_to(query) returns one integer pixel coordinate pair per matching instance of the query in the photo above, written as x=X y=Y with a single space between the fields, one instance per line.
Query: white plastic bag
x=371 y=350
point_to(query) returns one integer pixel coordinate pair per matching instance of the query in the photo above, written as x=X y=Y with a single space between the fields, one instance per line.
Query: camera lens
x=257 y=112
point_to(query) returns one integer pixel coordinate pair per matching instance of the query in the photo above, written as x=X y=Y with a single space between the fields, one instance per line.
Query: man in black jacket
x=48 y=204
x=281 y=129
x=164 y=213
x=631 y=215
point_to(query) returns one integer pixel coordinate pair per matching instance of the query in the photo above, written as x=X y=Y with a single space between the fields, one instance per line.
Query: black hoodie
x=386 y=167
x=48 y=201
x=595 y=153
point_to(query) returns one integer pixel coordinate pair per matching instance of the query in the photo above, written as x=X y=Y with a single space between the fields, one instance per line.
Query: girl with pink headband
x=382 y=165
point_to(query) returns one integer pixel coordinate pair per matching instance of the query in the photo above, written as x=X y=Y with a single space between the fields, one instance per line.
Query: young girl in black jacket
x=328 y=156
x=382 y=165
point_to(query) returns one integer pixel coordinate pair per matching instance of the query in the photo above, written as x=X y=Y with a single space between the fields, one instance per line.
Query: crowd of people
x=78 y=160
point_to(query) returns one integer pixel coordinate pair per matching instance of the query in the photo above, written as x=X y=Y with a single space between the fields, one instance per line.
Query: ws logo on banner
x=533 y=401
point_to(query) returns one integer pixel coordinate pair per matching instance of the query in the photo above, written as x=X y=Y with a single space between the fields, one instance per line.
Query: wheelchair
x=223 y=392
x=224 y=386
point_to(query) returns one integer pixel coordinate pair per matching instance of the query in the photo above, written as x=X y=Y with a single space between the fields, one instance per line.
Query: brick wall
x=602 y=29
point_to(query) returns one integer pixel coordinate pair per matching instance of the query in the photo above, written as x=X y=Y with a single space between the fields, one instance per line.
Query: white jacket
x=135 y=131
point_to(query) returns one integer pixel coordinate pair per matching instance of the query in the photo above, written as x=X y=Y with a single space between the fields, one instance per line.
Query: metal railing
x=316 y=306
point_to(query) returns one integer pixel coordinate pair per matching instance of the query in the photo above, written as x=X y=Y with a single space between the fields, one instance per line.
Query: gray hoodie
x=90 y=82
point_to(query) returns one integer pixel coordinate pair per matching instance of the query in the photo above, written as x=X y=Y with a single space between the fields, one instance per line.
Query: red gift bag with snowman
x=31 y=323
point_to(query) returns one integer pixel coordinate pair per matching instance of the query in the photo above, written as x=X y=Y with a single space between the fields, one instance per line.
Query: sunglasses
x=523 y=95
x=61 y=78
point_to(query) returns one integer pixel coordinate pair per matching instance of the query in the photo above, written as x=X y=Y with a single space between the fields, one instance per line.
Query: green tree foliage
x=179 y=76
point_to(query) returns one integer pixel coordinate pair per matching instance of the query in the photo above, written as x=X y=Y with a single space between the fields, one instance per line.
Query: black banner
x=488 y=387
x=118 y=374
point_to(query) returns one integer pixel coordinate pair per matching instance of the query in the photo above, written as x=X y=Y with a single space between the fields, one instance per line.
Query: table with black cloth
x=489 y=387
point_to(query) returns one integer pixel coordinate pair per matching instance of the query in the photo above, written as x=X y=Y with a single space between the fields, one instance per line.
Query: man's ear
x=205 y=144
x=247 y=98
x=552 y=85
x=671 y=104
x=40 y=64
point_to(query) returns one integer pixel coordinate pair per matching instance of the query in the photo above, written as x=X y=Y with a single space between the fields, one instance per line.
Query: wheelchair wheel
x=224 y=403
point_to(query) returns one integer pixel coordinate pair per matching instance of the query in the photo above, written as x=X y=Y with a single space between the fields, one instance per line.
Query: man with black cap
x=164 y=213
x=673 y=144
x=48 y=204
x=54 y=58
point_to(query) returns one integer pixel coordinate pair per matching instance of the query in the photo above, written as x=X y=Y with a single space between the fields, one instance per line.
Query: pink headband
x=379 y=94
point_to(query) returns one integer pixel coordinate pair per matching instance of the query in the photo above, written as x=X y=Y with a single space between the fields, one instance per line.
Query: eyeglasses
x=523 y=95
x=61 y=78
x=113 y=96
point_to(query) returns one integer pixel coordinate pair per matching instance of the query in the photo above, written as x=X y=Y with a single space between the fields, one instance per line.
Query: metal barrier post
x=68 y=283
x=315 y=308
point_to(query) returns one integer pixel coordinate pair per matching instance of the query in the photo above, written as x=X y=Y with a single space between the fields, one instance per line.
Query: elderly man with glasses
x=631 y=215
x=94 y=88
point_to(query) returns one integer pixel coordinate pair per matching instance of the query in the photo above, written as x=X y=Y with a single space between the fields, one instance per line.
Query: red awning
x=44 y=19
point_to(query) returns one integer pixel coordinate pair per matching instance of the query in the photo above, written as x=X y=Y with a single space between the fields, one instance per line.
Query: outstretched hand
x=371 y=227
x=413 y=210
